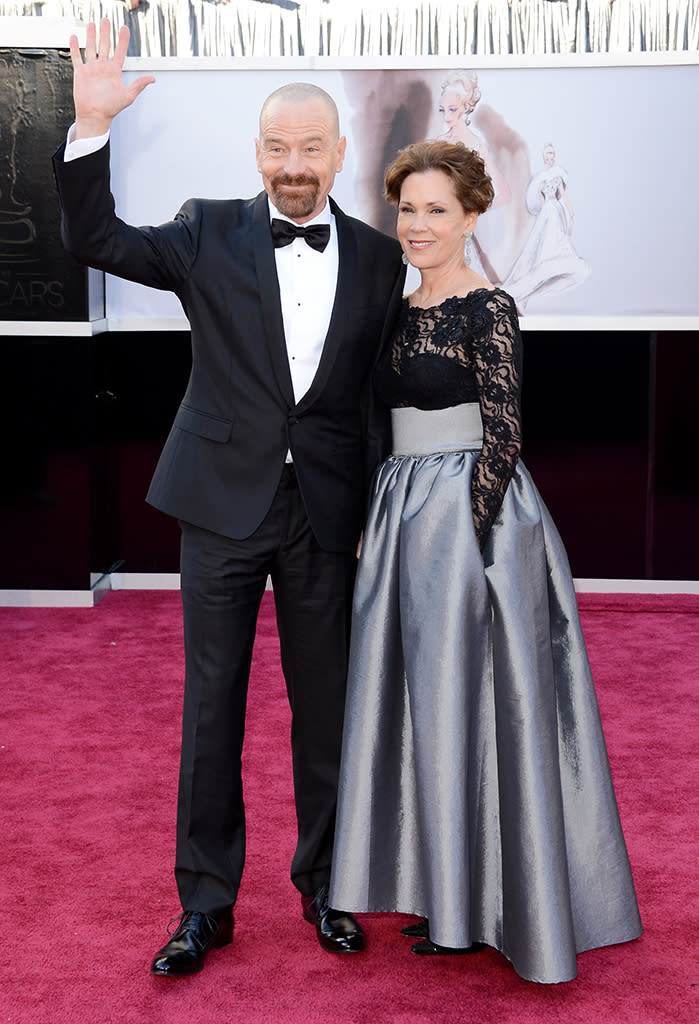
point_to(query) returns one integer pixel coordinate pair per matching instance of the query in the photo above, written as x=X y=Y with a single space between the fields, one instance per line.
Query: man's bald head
x=300 y=92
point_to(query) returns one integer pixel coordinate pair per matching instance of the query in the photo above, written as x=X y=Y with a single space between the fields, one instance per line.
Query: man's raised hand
x=99 y=92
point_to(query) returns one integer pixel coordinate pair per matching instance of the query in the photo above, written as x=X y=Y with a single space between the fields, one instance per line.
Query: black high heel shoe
x=418 y=930
x=428 y=948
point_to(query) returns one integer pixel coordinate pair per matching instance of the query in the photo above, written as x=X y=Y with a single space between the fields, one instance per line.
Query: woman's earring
x=467 y=249
x=405 y=259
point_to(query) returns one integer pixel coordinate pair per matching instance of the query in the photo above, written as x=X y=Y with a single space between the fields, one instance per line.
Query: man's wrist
x=91 y=128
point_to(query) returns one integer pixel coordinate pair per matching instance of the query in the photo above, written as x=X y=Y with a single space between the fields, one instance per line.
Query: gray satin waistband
x=423 y=431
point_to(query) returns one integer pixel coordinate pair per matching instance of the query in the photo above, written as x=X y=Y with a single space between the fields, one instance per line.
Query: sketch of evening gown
x=548 y=262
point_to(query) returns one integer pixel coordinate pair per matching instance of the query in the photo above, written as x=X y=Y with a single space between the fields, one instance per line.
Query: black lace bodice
x=467 y=349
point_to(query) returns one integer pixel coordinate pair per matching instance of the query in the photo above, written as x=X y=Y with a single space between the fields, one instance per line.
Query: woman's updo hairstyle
x=464 y=167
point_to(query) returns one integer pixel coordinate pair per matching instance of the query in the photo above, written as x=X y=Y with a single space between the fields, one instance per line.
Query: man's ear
x=341 y=147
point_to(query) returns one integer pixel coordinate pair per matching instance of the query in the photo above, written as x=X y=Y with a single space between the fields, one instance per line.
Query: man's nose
x=294 y=163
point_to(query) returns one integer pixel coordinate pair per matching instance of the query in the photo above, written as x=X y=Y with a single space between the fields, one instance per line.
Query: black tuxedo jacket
x=223 y=459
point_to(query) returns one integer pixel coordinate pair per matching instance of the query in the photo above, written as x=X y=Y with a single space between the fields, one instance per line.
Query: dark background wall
x=610 y=424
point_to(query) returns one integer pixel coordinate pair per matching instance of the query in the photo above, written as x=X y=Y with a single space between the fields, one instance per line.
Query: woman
x=458 y=98
x=548 y=261
x=475 y=788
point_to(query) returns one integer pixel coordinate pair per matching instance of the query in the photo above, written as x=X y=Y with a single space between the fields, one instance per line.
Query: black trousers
x=222 y=584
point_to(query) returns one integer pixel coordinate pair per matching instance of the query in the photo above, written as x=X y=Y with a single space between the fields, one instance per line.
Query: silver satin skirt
x=475 y=786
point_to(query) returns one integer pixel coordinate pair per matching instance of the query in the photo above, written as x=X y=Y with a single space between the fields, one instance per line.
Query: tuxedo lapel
x=268 y=285
x=345 y=302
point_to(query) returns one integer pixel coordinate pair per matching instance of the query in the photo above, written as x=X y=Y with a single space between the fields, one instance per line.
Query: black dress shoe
x=426 y=947
x=337 y=931
x=418 y=930
x=196 y=934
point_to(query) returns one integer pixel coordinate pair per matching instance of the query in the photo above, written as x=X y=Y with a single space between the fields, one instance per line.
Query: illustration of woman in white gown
x=458 y=98
x=548 y=262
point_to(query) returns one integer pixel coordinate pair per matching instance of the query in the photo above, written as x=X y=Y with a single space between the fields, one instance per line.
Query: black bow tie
x=284 y=232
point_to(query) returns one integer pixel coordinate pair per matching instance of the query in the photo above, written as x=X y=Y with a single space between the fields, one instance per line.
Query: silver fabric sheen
x=475 y=786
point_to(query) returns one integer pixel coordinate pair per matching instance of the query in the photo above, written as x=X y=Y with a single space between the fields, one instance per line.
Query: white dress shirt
x=76 y=148
x=307 y=285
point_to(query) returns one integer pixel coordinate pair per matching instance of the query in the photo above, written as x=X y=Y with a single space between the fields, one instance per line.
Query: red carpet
x=88 y=755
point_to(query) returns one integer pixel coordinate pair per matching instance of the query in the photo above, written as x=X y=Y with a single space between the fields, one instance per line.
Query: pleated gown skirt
x=475 y=786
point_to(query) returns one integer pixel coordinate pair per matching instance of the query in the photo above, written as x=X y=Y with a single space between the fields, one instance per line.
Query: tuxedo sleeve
x=160 y=257
x=377 y=418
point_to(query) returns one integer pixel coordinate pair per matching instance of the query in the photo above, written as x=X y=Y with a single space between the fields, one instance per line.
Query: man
x=266 y=466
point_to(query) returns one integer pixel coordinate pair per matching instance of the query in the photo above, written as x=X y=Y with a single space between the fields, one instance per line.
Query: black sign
x=38 y=280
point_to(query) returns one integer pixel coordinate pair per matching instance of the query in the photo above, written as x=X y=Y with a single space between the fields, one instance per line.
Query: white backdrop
x=624 y=135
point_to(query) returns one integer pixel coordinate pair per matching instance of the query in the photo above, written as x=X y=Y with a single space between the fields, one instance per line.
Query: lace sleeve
x=497 y=359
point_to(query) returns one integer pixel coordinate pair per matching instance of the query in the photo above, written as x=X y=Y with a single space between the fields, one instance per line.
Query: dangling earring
x=467 y=249
x=406 y=261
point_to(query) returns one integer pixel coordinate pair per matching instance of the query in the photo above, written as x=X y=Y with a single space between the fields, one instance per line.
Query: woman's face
x=549 y=157
x=451 y=107
x=432 y=223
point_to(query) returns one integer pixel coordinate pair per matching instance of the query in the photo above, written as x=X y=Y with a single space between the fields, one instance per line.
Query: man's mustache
x=295 y=179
